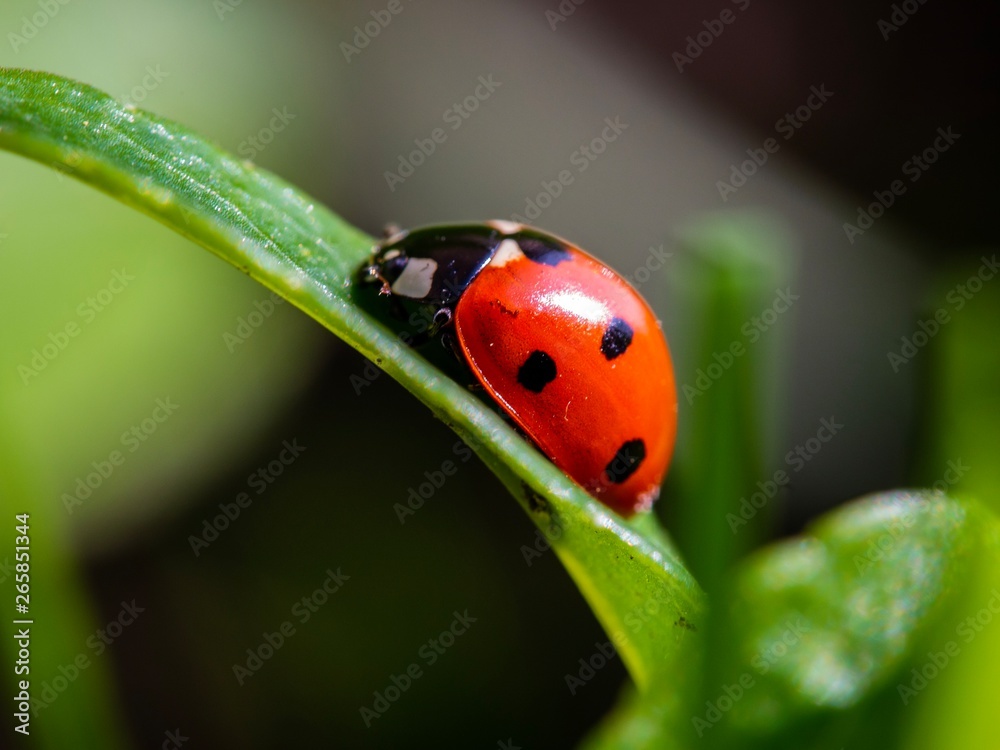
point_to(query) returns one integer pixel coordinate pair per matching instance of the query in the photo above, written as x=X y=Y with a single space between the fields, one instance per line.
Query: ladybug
x=566 y=348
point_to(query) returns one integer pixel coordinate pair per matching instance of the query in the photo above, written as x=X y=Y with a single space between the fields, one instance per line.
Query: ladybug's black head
x=432 y=265
x=386 y=266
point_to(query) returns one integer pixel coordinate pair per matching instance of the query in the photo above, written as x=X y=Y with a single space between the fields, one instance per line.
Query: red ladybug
x=561 y=342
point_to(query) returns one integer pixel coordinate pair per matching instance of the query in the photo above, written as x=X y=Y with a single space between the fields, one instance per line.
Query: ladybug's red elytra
x=561 y=342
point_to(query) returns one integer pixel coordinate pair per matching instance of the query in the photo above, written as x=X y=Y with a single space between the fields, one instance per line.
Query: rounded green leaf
x=825 y=631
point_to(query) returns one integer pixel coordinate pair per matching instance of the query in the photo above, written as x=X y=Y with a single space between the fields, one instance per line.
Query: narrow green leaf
x=958 y=372
x=728 y=277
x=305 y=253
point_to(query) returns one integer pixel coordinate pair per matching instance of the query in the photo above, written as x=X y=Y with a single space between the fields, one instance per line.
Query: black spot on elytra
x=626 y=461
x=543 y=252
x=538 y=370
x=617 y=338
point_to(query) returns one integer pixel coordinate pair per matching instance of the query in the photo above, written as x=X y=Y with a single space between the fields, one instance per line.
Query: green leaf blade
x=293 y=245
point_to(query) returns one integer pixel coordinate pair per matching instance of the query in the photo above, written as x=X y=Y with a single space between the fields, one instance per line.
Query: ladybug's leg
x=450 y=342
x=440 y=321
x=442 y=324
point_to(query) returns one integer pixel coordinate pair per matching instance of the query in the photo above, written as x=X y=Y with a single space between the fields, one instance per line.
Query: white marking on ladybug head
x=505 y=227
x=508 y=252
x=389 y=255
x=416 y=279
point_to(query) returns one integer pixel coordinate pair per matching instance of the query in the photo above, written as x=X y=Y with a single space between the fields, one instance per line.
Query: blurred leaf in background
x=116 y=317
x=132 y=369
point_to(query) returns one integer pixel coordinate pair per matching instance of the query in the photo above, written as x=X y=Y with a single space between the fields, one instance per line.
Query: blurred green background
x=274 y=82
